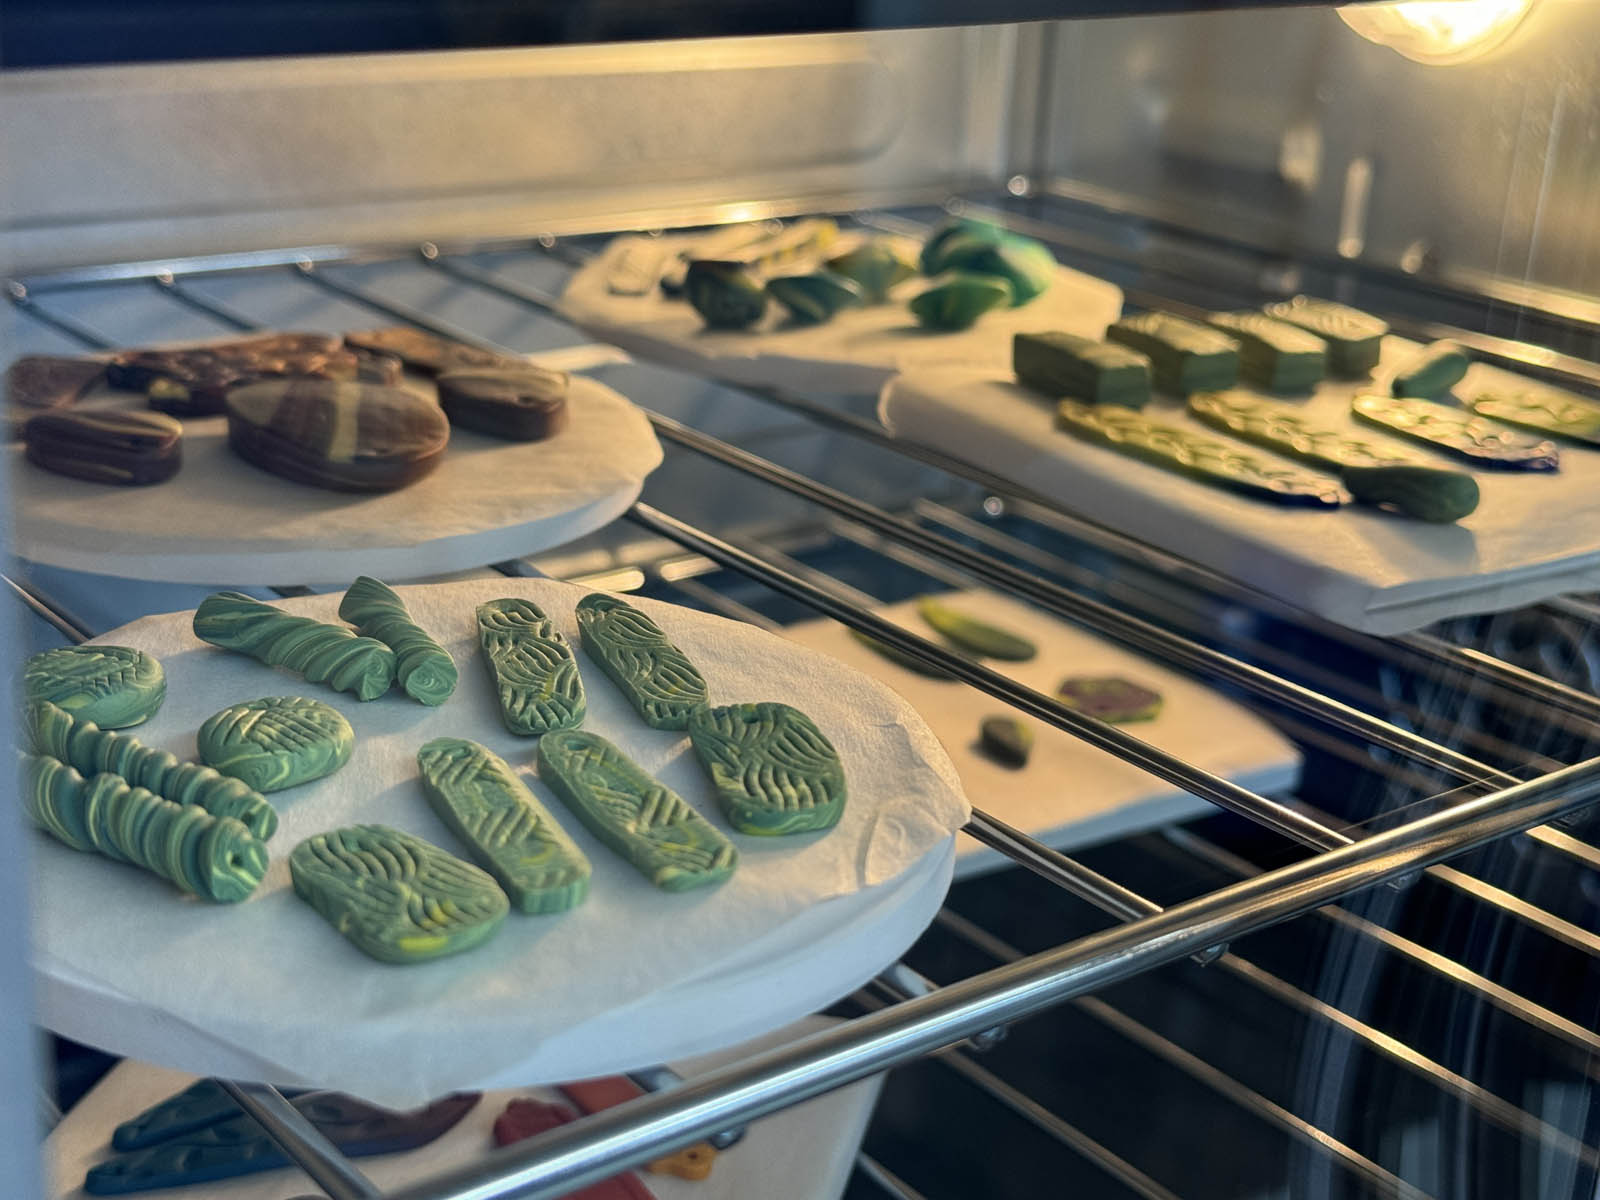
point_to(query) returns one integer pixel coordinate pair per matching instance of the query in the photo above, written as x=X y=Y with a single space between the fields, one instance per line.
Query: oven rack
x=977 y=1005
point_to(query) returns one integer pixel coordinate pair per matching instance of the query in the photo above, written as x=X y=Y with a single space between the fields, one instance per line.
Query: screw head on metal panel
x=1019 y=185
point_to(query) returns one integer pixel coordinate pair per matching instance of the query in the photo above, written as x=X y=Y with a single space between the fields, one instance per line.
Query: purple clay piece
x=1110 y=698
x=130 y=449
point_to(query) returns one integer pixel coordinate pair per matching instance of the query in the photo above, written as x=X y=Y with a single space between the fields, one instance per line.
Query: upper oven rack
x=1199 y=928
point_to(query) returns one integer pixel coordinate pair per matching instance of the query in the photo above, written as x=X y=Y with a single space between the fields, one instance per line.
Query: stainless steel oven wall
x=152 y=161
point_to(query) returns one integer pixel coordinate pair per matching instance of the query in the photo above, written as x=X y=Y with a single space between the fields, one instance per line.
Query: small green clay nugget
x=657 y=678
x=877 y=265
x=725 y=294
x=774 y=771
x=113 y=686
x=1006 y=740
x=1274 y=354
x=422 y=667
x=396 y=897
x=1431 y=372
x=1355 y=338
x=815 y=298
x=958 y=300
x=1544 y=410
x=974 y=635
x=1427 y=493
x=1110 y=698
x=533 y=669
x=278 y=742
x=1184 y=356
x=651 y=826
x=955 y=243
x=508 y=832
x=315 y=650
x=1064 y=364
x=1478 y=441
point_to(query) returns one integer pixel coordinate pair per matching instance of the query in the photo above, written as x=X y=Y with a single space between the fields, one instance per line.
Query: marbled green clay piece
x=534 y=672
x=979 y=637
x=1185 y=356
x=959 y=299
x=727 y=295
x=1274 y=354
x=817 y=297
x=277 y=742
x=1544 y=410
x=657 y=678
x=1431 y=372
x=955 y=242
x=506 y=830
x=113 y=686
x=422 y=667
x=315 y=650
x=396 y=897
x=1355 y=338
x=216 y=858
x=876 y=265
x=1059 y=364
x=773 y=770
x=984 y=249
x=1427 y=493
x=1287 y=430
x=1474 y=439
x=91 y=750
x=651 y=826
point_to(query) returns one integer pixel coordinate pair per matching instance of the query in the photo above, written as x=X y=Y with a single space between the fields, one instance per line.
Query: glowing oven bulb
x=1438 y=31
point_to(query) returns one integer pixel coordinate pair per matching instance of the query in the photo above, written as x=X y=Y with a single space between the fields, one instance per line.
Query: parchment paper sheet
x=266 y=989
x=1534 y=535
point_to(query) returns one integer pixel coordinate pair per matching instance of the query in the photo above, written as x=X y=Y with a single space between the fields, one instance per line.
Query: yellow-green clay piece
x=1431 y=371
x=532 y=666
x=1287 y=429
x=216 y=858
x=877 y=264
x=774 y=771
x=422 y=667
x=1542 y=408
x=277 y=742
x=315 y=650
x=113 y=686
x=396 y=897
x=977 y=636
x=657 y=678
x=506 y=830
x=54 y=732
x=651 y=826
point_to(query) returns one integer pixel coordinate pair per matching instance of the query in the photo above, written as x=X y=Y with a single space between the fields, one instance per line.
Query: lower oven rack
x=1467 y=799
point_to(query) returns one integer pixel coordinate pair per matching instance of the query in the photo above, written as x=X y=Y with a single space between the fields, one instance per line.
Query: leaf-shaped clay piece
x=533 y=668
x=506 y=830
x=651 y=826
x=657 y=678
x=200 y=1104
x=113 y=686
x=774 y=771
x=396 y=897
x=972 y=634
x=277 y=742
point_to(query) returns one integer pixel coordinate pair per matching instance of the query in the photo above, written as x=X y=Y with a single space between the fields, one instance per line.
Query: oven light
x=1438 y=31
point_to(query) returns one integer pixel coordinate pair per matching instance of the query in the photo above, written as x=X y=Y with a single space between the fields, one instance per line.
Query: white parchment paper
x=1535 y=535
x=854 y=354
x=266 y=989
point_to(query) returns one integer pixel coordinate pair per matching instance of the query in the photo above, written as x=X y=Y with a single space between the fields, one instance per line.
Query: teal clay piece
x=1426 y=493
x=1288 y=431
x=773 y=770
x=957 y=242
x=876 y=265
x=396 y=897
x=984 y=249
x=216 y=858
x=651 y=826
x=278 y=742
x=1480 y=442
x=1184 y=356
x=1274 y=354
x=1355 y=338
x=1064 y=364
x=314 y=650
x=422 y=667
x=91 y=750
x=817 y=297
x=534 y=672
x=113 y=686
x=506 y=830
x=1431 y=372
x=1544 y=410
x=958 y=300
x=657 y=678
x=725 y=294
x=977 y=636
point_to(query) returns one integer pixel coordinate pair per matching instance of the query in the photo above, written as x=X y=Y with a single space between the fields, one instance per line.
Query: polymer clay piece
x=1185 y=356
x=422 y=667
x=533 y=669
x=1544 y=410
x=957 y=300
x=876 y=265
x=1354 y=338
x=520 y=404
x=596 y=1095
x=817 y=297
x=979 y=637
x=1064 y=364
x=1215 y=461
x=396 y=897
x=1110 y=698
x=314 y=650
x=899 y=658
x=194 y=381
x=277 y=742
x=1427 y=493
x=651 y=826
x=984 y=249
x=1432 y=371
x=523 y=1119
x=727 y=295
x=773 y=770
x=104 y=445
x=200 y=1104
x=216 y=858
x=427 y=353
x=657 y=678
x=38 y=382
x=506 y=830
x=1287 y=430
x=1006 y=740
x=113 y=686
x=1480 y=442
x=54 y=732
x=1274 y=354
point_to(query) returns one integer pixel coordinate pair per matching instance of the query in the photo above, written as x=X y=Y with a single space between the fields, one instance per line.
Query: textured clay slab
x=426 y=353
x=277 y=742
x=1354 y=338
x=1449 y=429
x=113 y=686
x=1543 y=409
x=657 y=678
x=773 y=770
x=1288 y=431
x=505 y=829
x=422 y=667
x=128 y=449
x=651 y=826
x=532 y=666
x=521 y=404
x=396 y=897
x=314 y=650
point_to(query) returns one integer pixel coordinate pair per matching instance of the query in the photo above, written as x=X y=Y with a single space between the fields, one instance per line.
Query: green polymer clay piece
x=1427 y=493
x=877 y=265
x=506 y=830
x=817 y=297
x=1473 y=438
x=1064 y=364
x=773 y=770
x=956 y=242
x=650 y=825
x=422 y=667
x=533 y=668
x=977 y=636
x=657 y=678
x=1432 y=371
x=1355 y=338
x=1274 y=354
x=315 y=650
x=396 y=897
x=727 y=295
x=1026 y=265
x=1543 y=409
x=1287 y=430
x=277 y=742
x=113 y=686
x=959 y=299
x=216 y=858
x=1185 y=356
x=91 y=750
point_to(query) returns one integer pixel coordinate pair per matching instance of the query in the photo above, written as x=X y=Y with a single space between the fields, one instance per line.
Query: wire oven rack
x=1428 y=746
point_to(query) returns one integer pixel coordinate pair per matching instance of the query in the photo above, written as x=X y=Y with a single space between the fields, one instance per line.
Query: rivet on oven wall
x=1416 y=256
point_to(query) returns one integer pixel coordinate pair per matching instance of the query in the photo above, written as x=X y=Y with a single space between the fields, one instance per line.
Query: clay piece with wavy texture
x=1355 y=338
x=1274 y=354
x=277 y=742
x=534 y=673
x=315 y=650
x=773 y=770
x=113 y=686
x=657 y=678
x=1478 y=441
x=423 y=668
x=1544 y=410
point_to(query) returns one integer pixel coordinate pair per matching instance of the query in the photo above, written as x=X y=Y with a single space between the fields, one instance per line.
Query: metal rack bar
x=870 y=1168
x=302 y=1141
x=59 y=618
